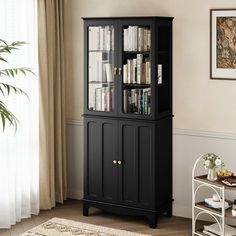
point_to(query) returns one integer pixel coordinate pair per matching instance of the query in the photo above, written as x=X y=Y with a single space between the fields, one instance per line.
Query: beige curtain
x=53 y=187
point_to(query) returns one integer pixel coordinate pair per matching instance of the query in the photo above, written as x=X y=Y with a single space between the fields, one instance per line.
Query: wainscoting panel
x=188 y=145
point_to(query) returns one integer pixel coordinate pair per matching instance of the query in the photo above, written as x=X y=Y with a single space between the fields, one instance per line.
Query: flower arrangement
x=211 y=160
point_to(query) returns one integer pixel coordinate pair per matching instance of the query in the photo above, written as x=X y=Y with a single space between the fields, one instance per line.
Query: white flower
x=218 y=162
x=207 y=163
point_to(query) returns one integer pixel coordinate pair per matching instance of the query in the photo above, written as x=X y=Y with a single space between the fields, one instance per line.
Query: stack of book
x=214 y=230
x=101 y=38
x=137 y=70
x=101 y=99
x=216 y=204
x=137 y=101
x=137 y=38
x=231 y=181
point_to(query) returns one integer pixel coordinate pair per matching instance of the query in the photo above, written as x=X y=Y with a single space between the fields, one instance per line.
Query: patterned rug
x=63 y=227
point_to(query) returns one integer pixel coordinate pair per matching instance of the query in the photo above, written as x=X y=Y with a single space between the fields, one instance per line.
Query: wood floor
x=72 y=209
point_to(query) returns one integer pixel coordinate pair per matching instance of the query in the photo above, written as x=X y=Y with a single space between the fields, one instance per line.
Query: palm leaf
x=5 y=89
x=7 y=116
x=13 y=72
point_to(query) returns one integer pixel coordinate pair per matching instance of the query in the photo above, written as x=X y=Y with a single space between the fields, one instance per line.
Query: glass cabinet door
x=101 y=61
x=136 y=67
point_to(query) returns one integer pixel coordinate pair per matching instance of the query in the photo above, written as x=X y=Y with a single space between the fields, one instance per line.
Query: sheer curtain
x=19 y=181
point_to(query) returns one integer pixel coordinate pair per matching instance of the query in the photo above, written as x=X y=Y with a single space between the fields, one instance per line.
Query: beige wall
x=199 y=103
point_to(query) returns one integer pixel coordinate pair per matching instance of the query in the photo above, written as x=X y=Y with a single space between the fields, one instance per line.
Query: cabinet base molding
x=151 y=215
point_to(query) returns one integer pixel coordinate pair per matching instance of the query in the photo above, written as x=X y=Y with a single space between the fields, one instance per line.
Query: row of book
x=137 y=101
x=101 y=38
x=137 y=70
x=100 y=99
x=137 y=38
x=100 y=67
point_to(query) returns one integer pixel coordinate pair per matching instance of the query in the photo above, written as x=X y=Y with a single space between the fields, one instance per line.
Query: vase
x=212 y=174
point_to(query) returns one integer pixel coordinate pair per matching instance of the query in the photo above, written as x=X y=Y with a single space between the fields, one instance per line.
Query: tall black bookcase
x=128 y=115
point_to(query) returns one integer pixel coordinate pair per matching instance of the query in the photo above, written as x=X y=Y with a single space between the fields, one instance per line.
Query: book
x=231 y=181
x=159 y=73
x=125 y=74
x=94 y=38
x=145 y=39
x=148 y=73
x=134 y=73
x=98 y=99
x=108 y=70
x=140 y=39
x=143 y=73
x=139 y=67
x=214 y=228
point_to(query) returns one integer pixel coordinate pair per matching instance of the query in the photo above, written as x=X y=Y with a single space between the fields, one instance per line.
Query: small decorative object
x=224 y=174
x=234 y=208
x=223 y=40
x=215 y=197
x=210 y=162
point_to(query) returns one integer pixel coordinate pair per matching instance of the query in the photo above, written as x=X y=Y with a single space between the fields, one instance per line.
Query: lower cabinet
x=122 y=160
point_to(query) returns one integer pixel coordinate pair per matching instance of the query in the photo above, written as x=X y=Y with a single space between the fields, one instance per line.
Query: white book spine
x=145 y=39
x=135 y=39
x=129 y=71
x=108 y=72
x=159 y=72
x=148 y=72
x=139 y=67
x=134 y=71
x=125 y=74
x=140 y=39
x=149 y=40
x=125 y=39
x=102 y=33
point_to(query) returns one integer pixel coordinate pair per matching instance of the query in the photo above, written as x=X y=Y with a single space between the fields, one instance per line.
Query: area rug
x=63 y=227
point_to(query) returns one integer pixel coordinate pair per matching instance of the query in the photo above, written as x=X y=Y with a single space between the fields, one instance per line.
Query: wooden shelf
x=137 y=52
x=103 y=51
x=228 y=213
x=102 y=83
x=218 y=183
x=163 y=84
x=137 y=85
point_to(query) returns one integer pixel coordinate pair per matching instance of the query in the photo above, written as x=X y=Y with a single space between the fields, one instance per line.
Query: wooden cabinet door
x=101 y=181
x=136 y=172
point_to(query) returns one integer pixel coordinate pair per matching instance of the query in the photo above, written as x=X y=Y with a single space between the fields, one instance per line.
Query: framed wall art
x=223 y=44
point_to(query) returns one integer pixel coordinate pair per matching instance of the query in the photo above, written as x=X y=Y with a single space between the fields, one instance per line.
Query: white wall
x=202 y=107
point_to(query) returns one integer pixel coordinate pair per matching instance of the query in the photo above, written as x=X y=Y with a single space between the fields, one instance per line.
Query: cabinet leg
x=152 y=218
x=85 y=209
x=169 y=212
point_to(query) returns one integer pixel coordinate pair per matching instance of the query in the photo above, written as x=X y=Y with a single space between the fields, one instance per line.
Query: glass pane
x=136 y=70
x=101 y=67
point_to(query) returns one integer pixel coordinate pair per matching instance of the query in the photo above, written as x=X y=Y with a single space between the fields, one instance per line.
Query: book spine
x=159 y=72
x=125 y=39
x=125 y=74
x=148 y=73
x=143 y=75
x=140 y=39
x=134 y=70
x=129 y=71
x=149 y=40
x=139 y=67
x=145 y=39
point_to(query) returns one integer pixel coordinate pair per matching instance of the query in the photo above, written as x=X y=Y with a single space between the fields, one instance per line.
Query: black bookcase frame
x=143 y=143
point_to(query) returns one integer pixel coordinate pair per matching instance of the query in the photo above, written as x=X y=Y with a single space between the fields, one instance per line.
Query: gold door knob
x=119 y=162
x=114 y=162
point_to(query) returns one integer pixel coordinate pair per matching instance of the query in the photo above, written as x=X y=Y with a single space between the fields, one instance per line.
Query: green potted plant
x=6 y=116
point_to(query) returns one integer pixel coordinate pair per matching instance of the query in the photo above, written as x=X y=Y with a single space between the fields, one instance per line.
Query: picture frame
x=223 y=44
